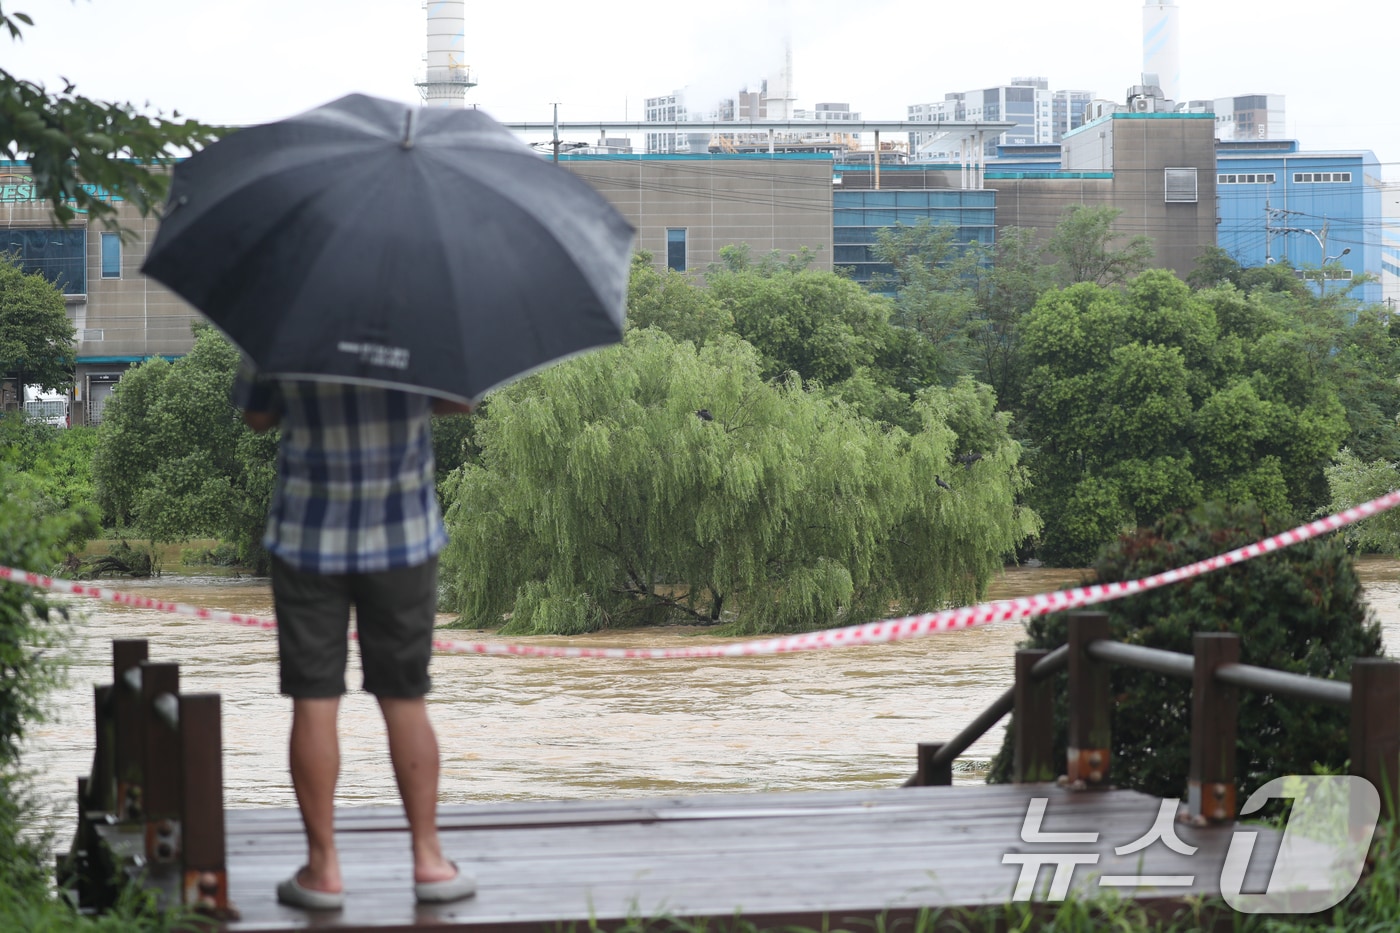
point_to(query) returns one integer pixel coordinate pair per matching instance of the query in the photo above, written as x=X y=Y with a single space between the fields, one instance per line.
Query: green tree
x=673 y=302
x=1006 y=291
x=933 y=282
x=36 y=337
x=1352 y=481
x=830 y=331
x=1214 y=267
x=175 y=460
x=1300 y=610
x=657 y=481
x=85 y=153
x=1138 y=402
x=1086 y=248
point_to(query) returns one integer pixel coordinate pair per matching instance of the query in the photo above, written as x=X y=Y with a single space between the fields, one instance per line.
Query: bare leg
x=413 y=749
x=315 y=764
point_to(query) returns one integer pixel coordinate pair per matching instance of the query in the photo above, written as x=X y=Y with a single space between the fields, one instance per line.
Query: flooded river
x=517 y=728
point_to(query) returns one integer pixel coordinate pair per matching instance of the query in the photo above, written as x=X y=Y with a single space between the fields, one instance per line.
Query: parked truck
x=48 y=407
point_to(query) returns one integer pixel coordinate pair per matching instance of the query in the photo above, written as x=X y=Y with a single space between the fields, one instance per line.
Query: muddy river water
x=518 y=728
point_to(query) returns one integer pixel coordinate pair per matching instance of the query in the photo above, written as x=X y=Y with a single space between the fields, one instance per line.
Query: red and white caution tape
x=870 y=633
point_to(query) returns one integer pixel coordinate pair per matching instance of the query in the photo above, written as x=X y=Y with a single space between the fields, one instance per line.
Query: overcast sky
x=250 y=61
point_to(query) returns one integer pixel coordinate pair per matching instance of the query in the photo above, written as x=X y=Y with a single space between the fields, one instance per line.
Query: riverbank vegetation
x=776 y=447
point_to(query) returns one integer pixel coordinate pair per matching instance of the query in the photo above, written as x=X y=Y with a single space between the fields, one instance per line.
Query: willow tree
x=657 y=482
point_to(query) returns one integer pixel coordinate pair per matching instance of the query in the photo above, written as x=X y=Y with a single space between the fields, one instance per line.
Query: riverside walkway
x=819 y=860
x=151 y=812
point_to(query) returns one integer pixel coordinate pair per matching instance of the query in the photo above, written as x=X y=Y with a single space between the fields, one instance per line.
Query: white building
x=1027 y=102
x=1249 y=116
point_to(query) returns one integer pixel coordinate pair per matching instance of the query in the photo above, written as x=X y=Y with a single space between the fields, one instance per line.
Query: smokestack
x=1161 y=45
x=446 y=77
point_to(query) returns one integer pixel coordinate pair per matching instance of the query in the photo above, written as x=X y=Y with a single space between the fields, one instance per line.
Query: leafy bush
x=53 y=466
x=1299 y=610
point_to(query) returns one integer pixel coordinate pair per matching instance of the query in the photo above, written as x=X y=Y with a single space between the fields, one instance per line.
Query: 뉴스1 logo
x=1320 y=858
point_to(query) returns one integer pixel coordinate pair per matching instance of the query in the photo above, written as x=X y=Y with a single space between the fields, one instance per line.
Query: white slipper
x=459 y=886
x=291 y=893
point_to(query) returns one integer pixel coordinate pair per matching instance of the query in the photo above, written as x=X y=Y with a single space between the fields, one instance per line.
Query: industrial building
x=120 y=316
x=1016 y=157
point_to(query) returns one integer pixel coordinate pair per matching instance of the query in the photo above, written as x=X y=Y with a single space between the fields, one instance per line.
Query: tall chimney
x=446 y=76
x=1161 y=45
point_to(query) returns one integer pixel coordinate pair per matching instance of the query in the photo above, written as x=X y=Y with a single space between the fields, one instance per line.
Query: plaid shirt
x=355 y=490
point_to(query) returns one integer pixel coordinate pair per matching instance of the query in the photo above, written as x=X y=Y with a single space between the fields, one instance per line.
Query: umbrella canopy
x=372 y=241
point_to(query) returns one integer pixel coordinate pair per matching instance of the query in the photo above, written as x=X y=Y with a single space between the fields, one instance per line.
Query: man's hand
x=261 y=421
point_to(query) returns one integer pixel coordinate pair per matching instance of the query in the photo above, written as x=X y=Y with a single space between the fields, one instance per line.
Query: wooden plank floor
x=772 y=857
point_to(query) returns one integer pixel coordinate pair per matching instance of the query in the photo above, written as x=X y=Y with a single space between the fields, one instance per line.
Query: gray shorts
x=394 y=615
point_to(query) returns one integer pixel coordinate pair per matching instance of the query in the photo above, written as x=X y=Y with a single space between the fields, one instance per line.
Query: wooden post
x=1210 y=789
x=1033 y=722
x=128 y=737
x=1375 y=727
x=928 y=775
x=202 y=819
x=1090 y=732
x=102 y=788
x=161 y=765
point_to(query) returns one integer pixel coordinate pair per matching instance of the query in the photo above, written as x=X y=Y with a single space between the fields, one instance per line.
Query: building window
x=675 y=249
x=111 y=256
x=58 y=255
x=1262 y=178
x=1321 y=178
x=1181 y=185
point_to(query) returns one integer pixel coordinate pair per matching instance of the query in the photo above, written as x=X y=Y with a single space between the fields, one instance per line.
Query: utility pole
x=1272 y=214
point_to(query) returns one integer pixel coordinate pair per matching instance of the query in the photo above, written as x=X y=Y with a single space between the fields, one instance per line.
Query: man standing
x=354 y=521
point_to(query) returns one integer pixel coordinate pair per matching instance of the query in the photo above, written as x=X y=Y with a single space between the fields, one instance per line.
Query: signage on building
x=21 y=189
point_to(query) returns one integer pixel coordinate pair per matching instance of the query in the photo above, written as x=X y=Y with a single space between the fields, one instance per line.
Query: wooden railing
x=1373 y=697
x=153 y=803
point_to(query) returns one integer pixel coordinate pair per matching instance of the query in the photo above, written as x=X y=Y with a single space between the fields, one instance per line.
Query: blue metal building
x=1310 y=208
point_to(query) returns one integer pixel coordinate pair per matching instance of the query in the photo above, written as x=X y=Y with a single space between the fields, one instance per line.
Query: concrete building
x=686 y=208
x=120 y=316
x=1158 y=169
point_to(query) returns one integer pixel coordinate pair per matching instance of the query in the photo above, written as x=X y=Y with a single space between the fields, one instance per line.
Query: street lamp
x=1322 y=272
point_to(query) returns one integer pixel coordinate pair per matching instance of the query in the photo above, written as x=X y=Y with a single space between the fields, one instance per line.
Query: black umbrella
x=371 y=241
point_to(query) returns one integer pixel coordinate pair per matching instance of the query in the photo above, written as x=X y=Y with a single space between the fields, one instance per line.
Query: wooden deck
x=814 y=859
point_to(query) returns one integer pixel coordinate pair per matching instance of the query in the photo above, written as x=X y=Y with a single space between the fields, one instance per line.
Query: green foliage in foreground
x=1299 y=610
x=654 y=481
x=84 y=151
x=53 y=468
x=31 y=627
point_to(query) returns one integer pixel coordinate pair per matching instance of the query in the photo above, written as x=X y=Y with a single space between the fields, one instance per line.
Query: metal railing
x=1373 y=698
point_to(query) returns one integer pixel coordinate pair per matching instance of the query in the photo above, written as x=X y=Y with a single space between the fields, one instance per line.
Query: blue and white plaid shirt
x=355 y=490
